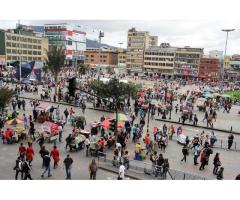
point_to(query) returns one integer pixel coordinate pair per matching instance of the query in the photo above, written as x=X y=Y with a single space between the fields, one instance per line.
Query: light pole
x=101 y=35
x=222 y=69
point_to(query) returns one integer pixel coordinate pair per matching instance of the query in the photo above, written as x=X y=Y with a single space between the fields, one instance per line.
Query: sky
x=205 y=34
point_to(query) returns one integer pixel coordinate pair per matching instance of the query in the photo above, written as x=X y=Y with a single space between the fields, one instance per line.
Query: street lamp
x=149 y=109
x=101 y=35
x=227 y=31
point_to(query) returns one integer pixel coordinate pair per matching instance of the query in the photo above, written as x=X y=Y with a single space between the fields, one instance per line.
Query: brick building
x=209 y=68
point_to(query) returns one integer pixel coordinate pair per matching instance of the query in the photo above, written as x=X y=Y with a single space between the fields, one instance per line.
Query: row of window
x=29 y=52
x=26 y=46
x=159 y=64
x=159 y=59
x=159 y=54
x=92 y=60
x=22 y=39
x=23 y=58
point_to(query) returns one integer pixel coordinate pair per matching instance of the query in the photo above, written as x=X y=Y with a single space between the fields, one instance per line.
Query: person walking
x=42 y=153
x=29 y=153
x=220 y=174
x=230 y=141
x=216 y=163
x=195 y=120
x=121 y=171
x=203 y=159
x=87 y=144
x=18 y=168
x=46 y=165
x=68 y=161
x=185 y=153
x=93 y=169
x=27 y=169
x=56 y=156
x=196 y=153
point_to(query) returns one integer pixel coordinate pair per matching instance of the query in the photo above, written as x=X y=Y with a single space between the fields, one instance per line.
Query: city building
x=187 y=61
x=122 y=54
x=137 y=43
x=160 y=59
x=22 y=45
x=71 y=38
x=108 y=57
x=209 y=68
x=38 y=30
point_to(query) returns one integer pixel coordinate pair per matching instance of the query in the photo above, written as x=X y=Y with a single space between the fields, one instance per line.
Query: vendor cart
x=50 y=131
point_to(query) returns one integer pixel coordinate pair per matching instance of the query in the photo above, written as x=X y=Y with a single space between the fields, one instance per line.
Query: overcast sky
x=205 y=34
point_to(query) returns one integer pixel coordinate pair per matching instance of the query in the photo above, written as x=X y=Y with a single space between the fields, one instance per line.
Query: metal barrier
x=148 y=169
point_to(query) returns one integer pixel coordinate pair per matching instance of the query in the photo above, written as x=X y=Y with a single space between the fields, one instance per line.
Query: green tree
x=5 y=96
x=115 y=90
x=109 y=69
x=54 y=62
x=82 y=69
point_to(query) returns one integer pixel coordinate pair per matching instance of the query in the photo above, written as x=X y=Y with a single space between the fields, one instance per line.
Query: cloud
x=205 y=34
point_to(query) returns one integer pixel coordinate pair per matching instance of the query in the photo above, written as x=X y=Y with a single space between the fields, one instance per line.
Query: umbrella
x=225 y=96
x=120 y=117
x=14 y=121
x=107 y=124
x=216 y=94
x=208 y=95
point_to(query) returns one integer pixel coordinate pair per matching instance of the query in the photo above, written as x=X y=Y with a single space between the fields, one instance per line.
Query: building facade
x=122 y=55
x=187 y=62
x=160 y=59
x=71 y=38
x=108 y=57
x=137 y=43
x=209 y=68
x=22 y=45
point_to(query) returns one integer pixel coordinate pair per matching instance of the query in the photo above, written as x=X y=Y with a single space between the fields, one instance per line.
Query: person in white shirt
x=121 y=171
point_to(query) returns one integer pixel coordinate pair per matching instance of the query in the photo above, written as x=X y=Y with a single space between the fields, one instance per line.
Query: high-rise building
x=71 y=38
x=122 y=54
x=160 y=59
x=137 y=43
x=187 y=61
x=22 y=45
x=209 y=68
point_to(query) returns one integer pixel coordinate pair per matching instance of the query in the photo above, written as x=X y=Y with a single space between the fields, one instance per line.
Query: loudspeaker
x=72 y=86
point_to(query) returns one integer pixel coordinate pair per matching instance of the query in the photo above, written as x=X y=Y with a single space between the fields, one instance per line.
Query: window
x=92 y=60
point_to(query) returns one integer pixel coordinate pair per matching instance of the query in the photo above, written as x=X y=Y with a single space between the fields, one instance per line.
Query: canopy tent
x=225 y=96
x=107 y=124
x=14 y=121
x=120 y=117
x=208 y=95
x=50 y=127
x=43 y=107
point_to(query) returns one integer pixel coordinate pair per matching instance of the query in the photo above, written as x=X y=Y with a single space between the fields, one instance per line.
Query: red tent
x=106 y=124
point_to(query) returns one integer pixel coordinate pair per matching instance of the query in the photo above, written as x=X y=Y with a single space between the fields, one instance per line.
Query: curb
x=66 y=104
x=215 y=129
x=113 y=171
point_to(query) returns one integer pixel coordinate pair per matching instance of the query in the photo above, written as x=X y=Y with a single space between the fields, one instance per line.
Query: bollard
x=221 y=143
x=184 y=176
x=235 y=145
x=231 y=129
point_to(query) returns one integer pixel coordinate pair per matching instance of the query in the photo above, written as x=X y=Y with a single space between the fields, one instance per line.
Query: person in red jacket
x=56 y=156
x=30 y=153
x=22 y=150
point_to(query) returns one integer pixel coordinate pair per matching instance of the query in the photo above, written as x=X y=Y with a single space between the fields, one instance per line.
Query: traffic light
x=72 y=86
x=112 y=125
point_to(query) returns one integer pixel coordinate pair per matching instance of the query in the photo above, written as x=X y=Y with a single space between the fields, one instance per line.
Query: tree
x=55 y=61
x=109 y=69
x=114 y=90
x=5 y=97
x=82 y=69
